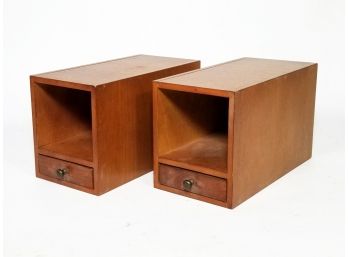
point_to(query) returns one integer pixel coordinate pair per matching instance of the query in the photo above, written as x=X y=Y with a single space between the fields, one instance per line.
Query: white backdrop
x=302 y=214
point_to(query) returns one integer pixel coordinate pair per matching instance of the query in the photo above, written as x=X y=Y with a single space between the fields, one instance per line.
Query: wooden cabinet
x=93 y=123
x=223 y=133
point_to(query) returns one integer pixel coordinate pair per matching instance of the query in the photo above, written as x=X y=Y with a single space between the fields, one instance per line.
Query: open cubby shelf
x=206 y=154
x=76 y=148
x=192 y=131
x=64 y=123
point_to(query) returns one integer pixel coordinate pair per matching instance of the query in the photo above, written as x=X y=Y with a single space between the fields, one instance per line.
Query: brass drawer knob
x=61 y=172
x=187 y=184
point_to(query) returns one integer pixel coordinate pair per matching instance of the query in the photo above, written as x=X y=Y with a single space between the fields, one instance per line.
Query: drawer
x=66 y=171
x=194 y=182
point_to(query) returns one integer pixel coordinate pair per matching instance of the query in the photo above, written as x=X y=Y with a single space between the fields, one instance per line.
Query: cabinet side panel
x=273 y=130
x=230 y=151
x=124 y=122
x=33 y=110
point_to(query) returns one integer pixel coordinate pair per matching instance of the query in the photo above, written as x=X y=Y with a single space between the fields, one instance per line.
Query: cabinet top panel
x=236 y=75
x=114 y=70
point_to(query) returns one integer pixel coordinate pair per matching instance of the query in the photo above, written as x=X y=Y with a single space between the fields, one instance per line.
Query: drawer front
x=194 y=182
x=66 y=171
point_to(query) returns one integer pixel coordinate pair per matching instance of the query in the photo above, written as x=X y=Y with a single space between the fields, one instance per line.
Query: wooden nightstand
x=93 y=123
x=223 y=133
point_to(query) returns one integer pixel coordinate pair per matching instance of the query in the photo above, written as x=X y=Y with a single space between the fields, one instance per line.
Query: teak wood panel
x=102 y=73
x=236 y=75
x=273 y=130
x=124 y=128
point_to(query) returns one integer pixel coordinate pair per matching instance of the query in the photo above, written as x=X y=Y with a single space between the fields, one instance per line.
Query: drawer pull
x=187 y=184
x=61 y=172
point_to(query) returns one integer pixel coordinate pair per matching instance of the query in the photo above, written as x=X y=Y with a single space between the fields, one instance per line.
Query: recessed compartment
x=64 y=123
x=192 y=131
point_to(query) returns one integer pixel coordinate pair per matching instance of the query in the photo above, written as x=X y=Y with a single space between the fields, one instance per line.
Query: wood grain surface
x=237 y=74
x=273 y=130
x=124 y=127
x=269 y=116
x=114 y=70
x=100 y=116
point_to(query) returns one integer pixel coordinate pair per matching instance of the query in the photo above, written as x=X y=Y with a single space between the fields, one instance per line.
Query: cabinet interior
x=192 y=130
x=63 y=122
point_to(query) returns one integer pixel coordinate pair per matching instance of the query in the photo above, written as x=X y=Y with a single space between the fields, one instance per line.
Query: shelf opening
x=193 y=131
x=64 y=123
